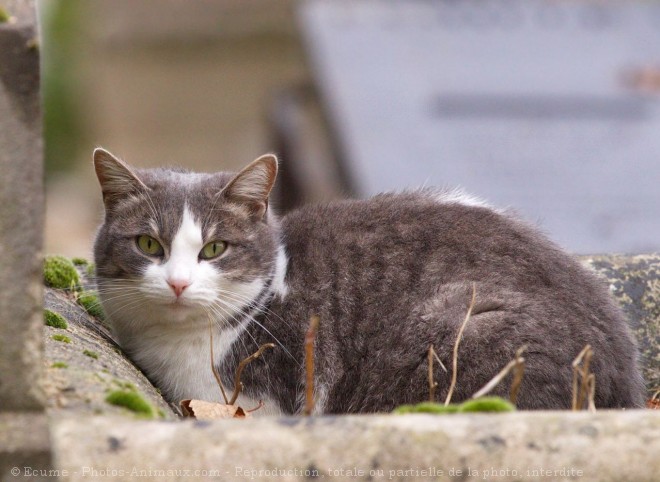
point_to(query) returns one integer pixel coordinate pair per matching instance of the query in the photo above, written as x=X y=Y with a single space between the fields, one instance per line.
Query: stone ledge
x=634 y=280
x=24 y=442
x=605 y=446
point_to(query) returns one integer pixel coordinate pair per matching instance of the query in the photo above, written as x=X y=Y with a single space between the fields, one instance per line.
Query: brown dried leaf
x=201 y=410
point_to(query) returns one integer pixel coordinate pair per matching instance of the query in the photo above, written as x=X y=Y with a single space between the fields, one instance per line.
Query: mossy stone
x=90 y=301
x=132 y=401
x=486 y=404
x=91 y=354
x=62 y=338
x=124 y=385
x=55 y=320
x=79 y=261
x=427 y=407
x=483 y=404
x=60 y=273
x=59 y=364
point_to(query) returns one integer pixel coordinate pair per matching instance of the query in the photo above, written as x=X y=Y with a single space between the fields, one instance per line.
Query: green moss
x=486 y=404
x=4 y=15
x=483 y=404
x=91 y=303
x=91 y=354
x=55 y=320
x=79 y=261
x=124 y=385
x=60 y=273
x=62 y=338
x=132 y=401
x=91 y=269
x=60 y=364
x=427 y=407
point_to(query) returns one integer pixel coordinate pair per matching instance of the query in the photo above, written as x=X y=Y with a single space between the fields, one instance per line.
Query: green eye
x=213 y=250
x=149 y=245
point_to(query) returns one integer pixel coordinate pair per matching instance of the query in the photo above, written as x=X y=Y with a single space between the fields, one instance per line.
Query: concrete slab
x=524 y=446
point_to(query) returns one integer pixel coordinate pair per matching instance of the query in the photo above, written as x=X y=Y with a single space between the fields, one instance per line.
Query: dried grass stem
x=458 y=341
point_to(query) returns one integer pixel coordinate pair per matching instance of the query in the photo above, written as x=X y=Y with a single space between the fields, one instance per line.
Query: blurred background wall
x=551 y=107
x=157 y=82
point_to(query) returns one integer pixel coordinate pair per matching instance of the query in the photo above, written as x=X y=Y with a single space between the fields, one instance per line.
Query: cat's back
x=431 y=229
x=407 y=245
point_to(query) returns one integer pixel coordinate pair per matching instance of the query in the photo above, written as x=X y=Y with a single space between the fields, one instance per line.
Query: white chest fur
x=180 y=364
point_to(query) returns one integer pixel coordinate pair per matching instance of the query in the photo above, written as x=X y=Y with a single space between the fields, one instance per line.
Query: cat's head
x=178 y=247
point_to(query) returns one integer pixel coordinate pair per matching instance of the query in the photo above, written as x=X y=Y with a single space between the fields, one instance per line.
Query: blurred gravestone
x=549 y=107
x=24 y=438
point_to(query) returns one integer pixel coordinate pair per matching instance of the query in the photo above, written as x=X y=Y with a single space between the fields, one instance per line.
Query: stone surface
x=607 y=446
x=81 y=373
x=22 y=12
x=635 y=282
x=24 y=437
x=21 y=220
x=24 y=445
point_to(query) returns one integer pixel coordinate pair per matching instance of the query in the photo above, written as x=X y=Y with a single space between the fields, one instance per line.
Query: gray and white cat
x=388 y=277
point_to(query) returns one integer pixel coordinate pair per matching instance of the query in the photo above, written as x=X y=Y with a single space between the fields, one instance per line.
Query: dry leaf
x=202 y=410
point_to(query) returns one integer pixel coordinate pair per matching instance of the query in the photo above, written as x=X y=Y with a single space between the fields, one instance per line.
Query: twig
x=238 y=386
x=432 y=383
x=517 y=365
x=592 y=392
x=458 y=341
x=582 y=386
x=261 y=404
x=656 y=395
x=213 y=368
x=442 y=365
x=518 y=373
x=310 y=337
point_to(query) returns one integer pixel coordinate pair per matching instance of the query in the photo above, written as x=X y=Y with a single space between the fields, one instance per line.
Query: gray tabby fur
x=388 y=276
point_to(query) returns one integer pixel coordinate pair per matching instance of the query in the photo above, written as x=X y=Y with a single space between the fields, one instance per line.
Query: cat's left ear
x=253 y=184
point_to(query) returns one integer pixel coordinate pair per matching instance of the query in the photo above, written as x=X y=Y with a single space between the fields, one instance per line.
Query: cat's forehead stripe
x=189 y=232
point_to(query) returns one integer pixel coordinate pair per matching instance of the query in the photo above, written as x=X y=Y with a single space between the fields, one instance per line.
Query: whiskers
x=239 y=307
x=120 y=298
x=136 y=304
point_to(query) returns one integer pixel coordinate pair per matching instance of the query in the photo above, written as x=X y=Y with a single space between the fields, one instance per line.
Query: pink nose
x=178 y=286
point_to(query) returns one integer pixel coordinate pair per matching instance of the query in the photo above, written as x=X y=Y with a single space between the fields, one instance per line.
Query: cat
x=181 y=253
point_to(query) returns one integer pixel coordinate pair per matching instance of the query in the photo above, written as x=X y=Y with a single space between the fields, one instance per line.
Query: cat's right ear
x=251 y=187
x=117 y=180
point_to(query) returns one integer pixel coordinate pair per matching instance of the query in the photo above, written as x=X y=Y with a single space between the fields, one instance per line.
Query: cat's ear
x=116 y=178
x=253 y=184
